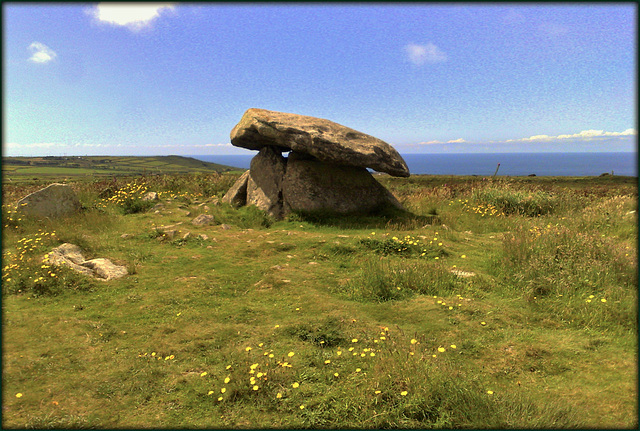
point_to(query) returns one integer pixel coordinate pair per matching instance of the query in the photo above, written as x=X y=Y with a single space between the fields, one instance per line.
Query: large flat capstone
x=323 y=139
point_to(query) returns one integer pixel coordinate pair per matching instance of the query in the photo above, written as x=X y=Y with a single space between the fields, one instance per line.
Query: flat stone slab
x=71 y=255
x=323 y=139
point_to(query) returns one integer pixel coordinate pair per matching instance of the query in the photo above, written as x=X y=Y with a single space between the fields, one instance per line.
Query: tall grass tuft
x=383 y=280
x=508 y=200
x=553 y=261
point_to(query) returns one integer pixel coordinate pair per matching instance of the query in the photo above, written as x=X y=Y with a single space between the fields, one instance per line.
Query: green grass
x=30 y=169
x=481 y=307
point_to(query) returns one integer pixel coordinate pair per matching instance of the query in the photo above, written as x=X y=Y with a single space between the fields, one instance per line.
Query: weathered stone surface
x=105 y=269
x=264 y=186
x=55 y=200
x=202 y=220
x=237 y=194
x=311 y=186
x=325 y=140
x=71 y=255
x=150 y=196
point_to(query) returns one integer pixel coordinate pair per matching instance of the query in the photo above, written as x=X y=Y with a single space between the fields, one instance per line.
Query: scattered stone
x=126 y=236
x=463 y=274
x=202 y=220
x=323 y=139
x=105 y=269
x=150 y=196
x=71 y=255
x=186 y=236
x=225 y=226
x=237 y=194
x=203 y=237
x=168 y=234
x=55 y=200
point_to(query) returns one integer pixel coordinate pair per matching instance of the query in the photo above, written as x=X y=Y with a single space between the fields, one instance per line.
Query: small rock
x=463 y=274
x=170 y=234
x=225 y=226
x=186 y=235
x=106 y=269
x=203 y=237
x=150 y=196
x=202 y=220
x=126 y=236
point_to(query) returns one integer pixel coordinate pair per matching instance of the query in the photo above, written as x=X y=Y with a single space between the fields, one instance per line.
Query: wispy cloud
x=134 y=16
x=421 y=54
x=430 y=143
x=585 y=135
x=41 y=53
x=457 y=141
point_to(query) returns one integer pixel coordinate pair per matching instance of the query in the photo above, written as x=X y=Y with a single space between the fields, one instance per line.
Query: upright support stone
x=264 y=186
x=313 y=186
x=237 y=194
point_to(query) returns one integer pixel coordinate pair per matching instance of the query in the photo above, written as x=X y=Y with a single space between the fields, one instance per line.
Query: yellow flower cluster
x=450 y=306
x=482 y=209
x=156 y=356
x=267 y=376
x=11 y=216
x=538 y=231
x=131 y=191
x=18 y=261
x=592 y=298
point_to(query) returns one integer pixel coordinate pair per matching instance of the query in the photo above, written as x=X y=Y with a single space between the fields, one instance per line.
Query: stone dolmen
x=325 y=171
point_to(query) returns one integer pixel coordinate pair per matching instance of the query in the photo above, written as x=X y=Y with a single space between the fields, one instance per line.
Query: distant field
x=29 y=168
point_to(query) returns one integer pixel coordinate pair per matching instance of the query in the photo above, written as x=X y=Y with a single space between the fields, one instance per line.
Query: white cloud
x=456 y=141
x=134 y=16
x=421 y=54
x=430 y=143
x=585 y=135
x=41 y=53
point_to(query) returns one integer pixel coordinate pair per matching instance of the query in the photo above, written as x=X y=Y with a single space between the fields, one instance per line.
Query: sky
x=173 y=79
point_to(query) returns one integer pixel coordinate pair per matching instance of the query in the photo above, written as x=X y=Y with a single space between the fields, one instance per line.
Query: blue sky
x=160 y=79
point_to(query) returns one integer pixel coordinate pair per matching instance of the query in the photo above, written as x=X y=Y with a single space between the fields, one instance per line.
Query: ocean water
x=484 y=164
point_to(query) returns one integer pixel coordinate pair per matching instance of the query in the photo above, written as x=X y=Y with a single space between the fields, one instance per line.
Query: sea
x=485 y=164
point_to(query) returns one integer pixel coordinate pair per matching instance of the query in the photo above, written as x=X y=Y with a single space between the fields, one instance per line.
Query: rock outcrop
x=325 y=171
x=323 y=139
x=71 y=255
x=55 y=200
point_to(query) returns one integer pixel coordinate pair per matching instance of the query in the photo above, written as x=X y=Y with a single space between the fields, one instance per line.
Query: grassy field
x=29 y=169
x=492 y=303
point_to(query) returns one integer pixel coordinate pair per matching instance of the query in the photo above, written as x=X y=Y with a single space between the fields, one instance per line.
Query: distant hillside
x=17 y=168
